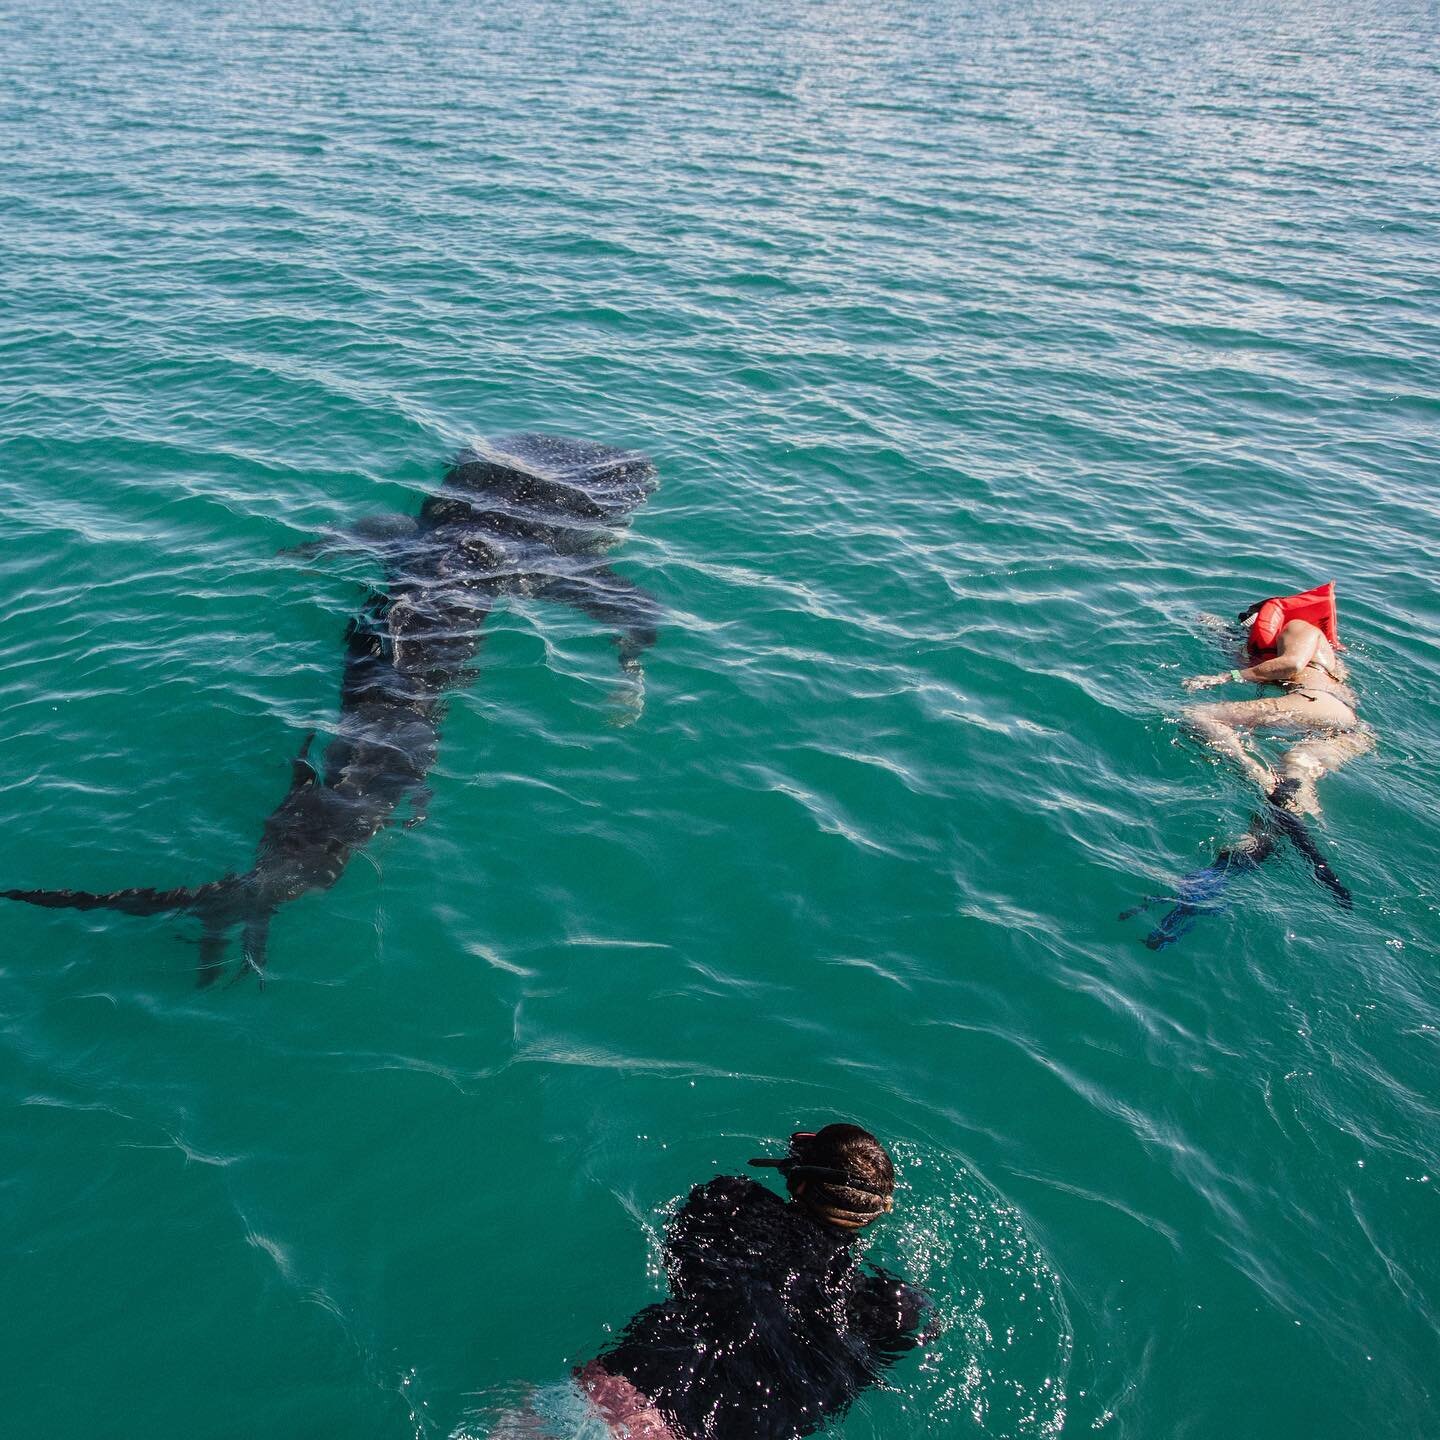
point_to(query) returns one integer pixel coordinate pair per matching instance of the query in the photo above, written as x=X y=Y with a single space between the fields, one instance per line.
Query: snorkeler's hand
x=1204 y=682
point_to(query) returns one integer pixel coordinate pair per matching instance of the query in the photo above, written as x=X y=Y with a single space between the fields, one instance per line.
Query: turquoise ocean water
x=979 y=348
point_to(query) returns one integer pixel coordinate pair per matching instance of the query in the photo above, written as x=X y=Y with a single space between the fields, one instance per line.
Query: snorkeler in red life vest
x=772 y=1326
x=1293 y=644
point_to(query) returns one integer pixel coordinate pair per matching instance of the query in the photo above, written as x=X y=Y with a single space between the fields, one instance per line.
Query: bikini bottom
x=1314 y=695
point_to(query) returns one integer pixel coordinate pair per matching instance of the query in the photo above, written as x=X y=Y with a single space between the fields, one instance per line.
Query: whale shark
x=518 y=515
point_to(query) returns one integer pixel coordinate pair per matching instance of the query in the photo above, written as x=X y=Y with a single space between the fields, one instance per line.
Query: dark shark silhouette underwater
x=526 y=515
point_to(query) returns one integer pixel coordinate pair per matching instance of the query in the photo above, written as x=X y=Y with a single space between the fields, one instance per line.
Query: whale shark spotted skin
x=525 y=514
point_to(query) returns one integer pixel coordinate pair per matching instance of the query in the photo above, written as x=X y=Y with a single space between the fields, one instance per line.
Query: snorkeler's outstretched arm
x=1301 y=643
x=893 y=1315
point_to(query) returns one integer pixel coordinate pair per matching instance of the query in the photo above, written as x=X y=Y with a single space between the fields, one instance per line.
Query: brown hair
x=848 y=1177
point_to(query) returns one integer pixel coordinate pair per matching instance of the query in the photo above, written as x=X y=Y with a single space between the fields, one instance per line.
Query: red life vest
x=1317 y=606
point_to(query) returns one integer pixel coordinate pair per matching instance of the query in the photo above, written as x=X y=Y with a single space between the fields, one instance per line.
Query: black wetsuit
x=772 y=1327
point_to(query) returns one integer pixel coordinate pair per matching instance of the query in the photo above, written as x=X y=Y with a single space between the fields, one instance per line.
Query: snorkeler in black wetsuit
x=773 y=1326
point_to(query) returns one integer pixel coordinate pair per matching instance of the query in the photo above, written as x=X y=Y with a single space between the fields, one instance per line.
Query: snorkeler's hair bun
x=850 y=1178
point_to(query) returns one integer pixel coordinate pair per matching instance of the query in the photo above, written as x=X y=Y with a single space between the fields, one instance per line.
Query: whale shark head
x=577 y=494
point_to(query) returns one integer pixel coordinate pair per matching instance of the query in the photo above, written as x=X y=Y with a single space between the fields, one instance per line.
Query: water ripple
x=980 y=348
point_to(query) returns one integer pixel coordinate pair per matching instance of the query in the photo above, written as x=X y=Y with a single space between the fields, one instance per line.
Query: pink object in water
x=628 y=1411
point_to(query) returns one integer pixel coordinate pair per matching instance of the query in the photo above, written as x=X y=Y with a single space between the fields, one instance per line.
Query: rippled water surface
x=979 y=348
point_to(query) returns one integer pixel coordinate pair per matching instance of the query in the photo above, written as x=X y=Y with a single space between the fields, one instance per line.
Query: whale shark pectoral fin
x=384 y=527
x=217 y=912
x=306 y=550
x=302 y=769
x=420 y=798
x=632 y=612
x=253 y=941
x=211 y=965
x=379 y=533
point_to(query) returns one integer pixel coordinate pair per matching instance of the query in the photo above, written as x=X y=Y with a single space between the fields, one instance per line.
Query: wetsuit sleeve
x=893 y=1316
x=717 y=1220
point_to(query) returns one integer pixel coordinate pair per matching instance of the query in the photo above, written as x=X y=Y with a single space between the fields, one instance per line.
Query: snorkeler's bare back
x=1322 y=672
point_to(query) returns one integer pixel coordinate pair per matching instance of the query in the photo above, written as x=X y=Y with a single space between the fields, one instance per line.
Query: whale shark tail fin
x=215 y=903
x=138 y=901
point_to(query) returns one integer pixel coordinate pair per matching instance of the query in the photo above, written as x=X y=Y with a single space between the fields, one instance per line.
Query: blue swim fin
x=1201 y=890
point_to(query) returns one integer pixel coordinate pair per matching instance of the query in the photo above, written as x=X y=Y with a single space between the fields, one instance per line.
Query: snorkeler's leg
x=1201 y=890
x=1317 y=755
x=1215 y=728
